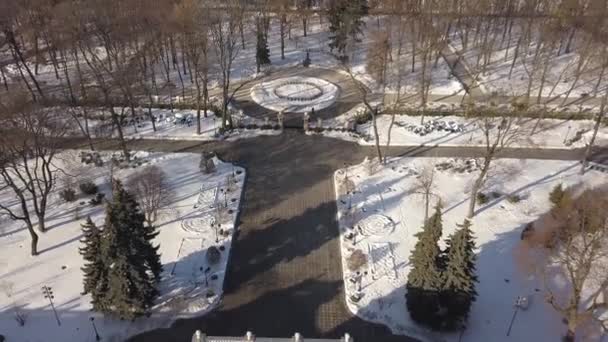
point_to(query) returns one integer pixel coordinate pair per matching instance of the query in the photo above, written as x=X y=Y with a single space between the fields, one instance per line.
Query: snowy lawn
x=506 y=77
x=184 y=236
x=548 y=133
x=387 y=210
x=179 y=125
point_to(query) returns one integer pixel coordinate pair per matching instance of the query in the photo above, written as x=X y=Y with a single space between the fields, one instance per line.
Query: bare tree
x=224 y=29
x=151 y=190
x=28 y=146
x=596 y=128
x=194 y=27
x=499 y=132
x=425 y=183
x=365 y=92
x=571 y=242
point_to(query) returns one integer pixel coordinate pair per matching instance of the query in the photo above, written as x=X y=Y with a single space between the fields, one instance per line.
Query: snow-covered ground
x=179 y=125
x=388 y=209
x=184 y=237
x=549 y=133
x=506 y=77
x=315 y=43
x=546 y=133
x=295 y=94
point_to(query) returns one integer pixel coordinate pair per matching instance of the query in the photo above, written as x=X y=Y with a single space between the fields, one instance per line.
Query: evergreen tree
x=262 y=54
x=95 y=271
x=346 y=21
x=133 y=262
x=459 y=277
x=425 y=282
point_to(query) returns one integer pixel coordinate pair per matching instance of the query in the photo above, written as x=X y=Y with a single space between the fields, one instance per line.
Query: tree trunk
x=10 y=37
x=4 y=81
x=570 y=40
x=198 y=104
x=41 y=224
x=121 y=137
x=596 y=128
x=427 y=200
x=34 y=241
x=242 y=35
x=515 y=54
x=477 y=185
x=377 y=137
x=282 y=33
x=150 y=116
x=388 y=137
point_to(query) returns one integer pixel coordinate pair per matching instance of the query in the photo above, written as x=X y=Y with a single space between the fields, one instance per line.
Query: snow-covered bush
x=356 y=260
x=88 y=187
x=97 y=199
x=68 y=195
x=213 y=255
x=514 y=198
x=482 y=198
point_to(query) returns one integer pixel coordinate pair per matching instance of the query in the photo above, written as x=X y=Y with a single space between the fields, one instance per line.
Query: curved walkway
x=285 y=274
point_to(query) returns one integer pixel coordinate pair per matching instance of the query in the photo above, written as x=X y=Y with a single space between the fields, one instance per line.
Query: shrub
x=213 y=255
x=88 y=187
x=495 y=194
x=363 y=117
x=482 y=198
x=514 y=198
x=97 y=199
x=68 y=195
x=356 y=260
x=557 y=194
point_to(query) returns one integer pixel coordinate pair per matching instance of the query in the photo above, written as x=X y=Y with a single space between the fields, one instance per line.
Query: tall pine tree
x=262 y=54
x=95 y=270
x=459 y=276
x=346 y=22
x=133 y=262
x=424 y=283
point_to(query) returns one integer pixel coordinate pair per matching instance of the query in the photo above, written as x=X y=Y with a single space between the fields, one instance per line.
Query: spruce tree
x=133 y=262
x=346 y=21
x=425 y=282
x=95 y=270
x=262 y=54
x=459 y=277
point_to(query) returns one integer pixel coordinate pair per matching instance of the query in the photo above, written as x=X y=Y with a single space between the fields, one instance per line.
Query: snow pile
x=189 y=286
x=295 y=94
x=379 y=197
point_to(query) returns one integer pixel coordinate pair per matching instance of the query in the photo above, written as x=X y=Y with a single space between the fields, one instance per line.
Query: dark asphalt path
x=285 y=274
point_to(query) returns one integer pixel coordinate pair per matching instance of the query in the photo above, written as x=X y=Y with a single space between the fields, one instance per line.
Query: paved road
x=285 y=274
x=225 y=148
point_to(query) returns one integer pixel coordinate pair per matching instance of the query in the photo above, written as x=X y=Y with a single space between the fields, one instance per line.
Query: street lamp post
x=47 y=291
x=217 y=238
x=97 y=337
x=567 y=134
x=206 y=276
